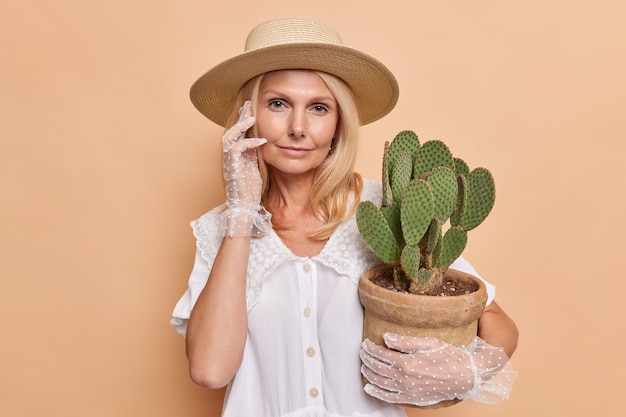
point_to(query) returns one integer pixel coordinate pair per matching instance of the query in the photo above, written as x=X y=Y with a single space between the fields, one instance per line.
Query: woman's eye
x=276 y=104
x=320 y=108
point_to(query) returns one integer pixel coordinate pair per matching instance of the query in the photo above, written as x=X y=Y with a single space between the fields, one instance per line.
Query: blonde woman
x=272 y=308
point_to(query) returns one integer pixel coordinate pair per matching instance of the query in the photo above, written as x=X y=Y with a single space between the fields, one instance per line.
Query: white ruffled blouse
x=305 y=322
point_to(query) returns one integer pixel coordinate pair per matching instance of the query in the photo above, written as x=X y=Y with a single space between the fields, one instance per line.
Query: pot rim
x=373 y=296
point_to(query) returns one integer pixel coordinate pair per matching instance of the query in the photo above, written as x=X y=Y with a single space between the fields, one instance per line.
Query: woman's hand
x=426 y=371
x=245 y=215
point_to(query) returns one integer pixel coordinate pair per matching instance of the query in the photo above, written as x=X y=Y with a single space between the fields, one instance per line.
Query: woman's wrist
x=246 y=221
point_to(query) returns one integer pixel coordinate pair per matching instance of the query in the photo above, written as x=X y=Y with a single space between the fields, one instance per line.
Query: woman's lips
x=294 y=151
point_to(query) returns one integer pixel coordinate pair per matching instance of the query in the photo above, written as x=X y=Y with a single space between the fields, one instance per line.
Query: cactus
x=425 y=189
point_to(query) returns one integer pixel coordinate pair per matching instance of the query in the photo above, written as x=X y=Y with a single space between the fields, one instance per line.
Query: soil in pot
x=449 y=287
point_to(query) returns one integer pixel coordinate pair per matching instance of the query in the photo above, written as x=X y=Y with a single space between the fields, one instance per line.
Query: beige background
x=104 y=161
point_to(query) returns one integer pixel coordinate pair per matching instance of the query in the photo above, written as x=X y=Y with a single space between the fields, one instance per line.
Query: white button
x=313 y=392
x=307 y=311
x=306 y=267
x=310 y=352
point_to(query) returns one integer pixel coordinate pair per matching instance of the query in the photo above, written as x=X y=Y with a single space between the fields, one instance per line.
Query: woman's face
x=298 y=115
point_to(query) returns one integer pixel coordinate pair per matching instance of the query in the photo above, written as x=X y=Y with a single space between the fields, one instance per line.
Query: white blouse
x=305 y=322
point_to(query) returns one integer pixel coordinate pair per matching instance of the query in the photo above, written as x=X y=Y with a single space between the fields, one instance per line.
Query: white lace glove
x=245 y=216
x=425 y=371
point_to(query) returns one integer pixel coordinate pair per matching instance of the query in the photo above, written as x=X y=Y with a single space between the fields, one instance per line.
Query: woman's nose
x=297 y=126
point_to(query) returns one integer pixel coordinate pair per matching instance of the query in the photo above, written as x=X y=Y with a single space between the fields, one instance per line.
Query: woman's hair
x=336 y=188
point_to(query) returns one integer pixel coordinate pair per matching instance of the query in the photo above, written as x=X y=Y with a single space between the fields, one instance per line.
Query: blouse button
x=310 y=352
x=307 y=311
x=307 y=267
x=313 y=392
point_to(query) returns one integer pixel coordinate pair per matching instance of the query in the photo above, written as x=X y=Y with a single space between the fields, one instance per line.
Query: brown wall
x=103 y=161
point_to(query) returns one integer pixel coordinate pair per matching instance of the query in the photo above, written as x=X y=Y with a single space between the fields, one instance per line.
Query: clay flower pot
x=453 y=319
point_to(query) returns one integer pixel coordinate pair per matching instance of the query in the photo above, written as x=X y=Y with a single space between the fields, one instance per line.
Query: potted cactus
x=430 y=201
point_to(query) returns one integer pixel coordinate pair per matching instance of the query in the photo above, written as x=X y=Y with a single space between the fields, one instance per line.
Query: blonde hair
x=336 y=188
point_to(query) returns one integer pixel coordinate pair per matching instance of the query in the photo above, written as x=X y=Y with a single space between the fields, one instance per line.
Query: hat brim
x=374 y=87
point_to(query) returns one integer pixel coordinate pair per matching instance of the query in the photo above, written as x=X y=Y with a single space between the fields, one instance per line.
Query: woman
x=272 y=307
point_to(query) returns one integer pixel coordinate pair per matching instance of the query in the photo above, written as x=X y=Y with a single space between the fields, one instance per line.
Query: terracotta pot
x=453 y=319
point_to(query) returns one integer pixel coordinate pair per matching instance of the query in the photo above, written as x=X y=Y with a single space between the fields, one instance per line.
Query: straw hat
x=296 y=43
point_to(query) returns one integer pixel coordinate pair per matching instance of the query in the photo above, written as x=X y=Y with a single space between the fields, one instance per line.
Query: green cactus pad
x=480 y=195
x=376 y=233
x=424 y=276
x=432 y=154
x=387 y=195
x=444 y=186
x=401 y=174
x=392 y=215
x=436 y=255
x=461 y=201
x=406 y=140
x=416 y=211
x=410 y=260
x=433 y=234
x=430 y=243
x=461 y=167
x=452 y=245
